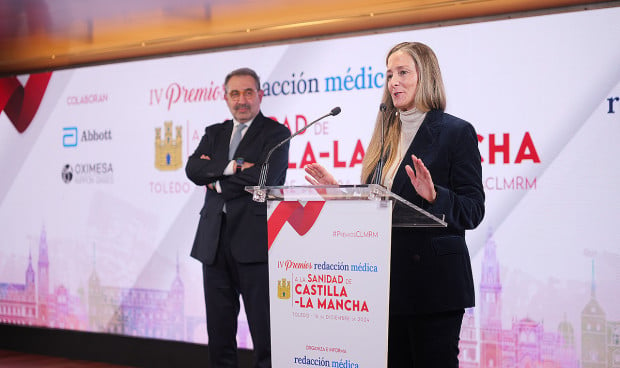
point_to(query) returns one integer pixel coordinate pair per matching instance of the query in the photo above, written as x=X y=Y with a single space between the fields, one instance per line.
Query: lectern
x=329 y=271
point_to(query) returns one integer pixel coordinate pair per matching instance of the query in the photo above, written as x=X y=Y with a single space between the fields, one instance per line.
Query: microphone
x=265 y=167
x=380 y=163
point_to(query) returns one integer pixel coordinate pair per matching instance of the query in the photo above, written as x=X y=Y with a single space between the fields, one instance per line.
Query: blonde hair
x=430 y=95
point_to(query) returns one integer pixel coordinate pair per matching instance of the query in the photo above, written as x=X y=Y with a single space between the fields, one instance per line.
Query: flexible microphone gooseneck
x=379 y=168
x=265 y=167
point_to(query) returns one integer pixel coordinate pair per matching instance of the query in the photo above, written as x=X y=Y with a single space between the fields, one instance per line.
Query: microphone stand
x=259 y=191
x=379 y=169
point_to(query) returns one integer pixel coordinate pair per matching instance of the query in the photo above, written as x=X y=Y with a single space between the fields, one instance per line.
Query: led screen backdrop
x=98 y=218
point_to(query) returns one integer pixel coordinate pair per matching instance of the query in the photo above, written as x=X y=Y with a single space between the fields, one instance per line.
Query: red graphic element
x=20 y=103
x=300 y=217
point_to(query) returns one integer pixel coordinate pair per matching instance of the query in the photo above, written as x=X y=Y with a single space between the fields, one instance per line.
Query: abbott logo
x=69 y=137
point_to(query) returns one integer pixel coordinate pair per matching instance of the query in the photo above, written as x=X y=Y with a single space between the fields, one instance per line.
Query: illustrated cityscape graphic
x=526 y=344
x=161 y=314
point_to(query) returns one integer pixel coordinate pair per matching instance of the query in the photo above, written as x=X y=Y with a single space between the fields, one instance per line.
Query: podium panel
x=329 y=282
x=329 y=271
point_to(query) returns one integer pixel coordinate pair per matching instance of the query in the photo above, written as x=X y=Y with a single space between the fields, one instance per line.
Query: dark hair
x=240 y=72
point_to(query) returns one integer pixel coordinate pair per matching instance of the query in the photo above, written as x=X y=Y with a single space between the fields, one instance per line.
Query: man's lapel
x=223 y=143
x=250 y=136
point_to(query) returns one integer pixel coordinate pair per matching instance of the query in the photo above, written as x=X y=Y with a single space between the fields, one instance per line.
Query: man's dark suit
x=245 y=222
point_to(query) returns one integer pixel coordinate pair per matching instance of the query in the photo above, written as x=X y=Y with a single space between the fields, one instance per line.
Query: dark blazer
x=245 y=218
x=431 y=268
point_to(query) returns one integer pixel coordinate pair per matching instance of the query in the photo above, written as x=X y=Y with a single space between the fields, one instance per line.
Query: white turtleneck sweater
x=410 y=123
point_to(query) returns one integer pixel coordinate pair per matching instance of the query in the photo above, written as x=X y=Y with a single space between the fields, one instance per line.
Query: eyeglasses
x=247 y=93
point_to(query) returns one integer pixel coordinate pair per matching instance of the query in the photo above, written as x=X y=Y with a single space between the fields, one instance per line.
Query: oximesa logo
x=20 y=103
x=67 y=173
x=300 y=217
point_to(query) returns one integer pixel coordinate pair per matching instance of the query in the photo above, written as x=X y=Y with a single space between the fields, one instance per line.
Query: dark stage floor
x=14 y=359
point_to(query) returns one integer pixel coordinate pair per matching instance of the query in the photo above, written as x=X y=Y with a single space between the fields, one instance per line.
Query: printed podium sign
x=329 y=266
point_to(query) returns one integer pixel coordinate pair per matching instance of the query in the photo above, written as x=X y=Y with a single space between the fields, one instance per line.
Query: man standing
x=231 y=240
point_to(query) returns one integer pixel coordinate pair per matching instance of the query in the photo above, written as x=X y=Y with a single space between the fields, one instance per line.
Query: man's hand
x=246 y=165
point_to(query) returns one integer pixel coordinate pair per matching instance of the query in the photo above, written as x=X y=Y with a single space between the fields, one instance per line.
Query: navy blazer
x=246 y=219
x=431 y=267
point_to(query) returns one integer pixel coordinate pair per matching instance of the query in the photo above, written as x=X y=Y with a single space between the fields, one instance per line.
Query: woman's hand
x=318 y=175
x=422 y=182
